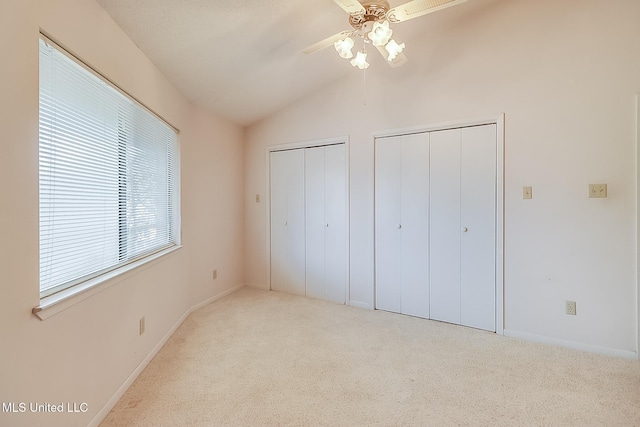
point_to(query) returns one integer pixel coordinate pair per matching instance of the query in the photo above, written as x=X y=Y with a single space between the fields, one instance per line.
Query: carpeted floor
x=267 y=358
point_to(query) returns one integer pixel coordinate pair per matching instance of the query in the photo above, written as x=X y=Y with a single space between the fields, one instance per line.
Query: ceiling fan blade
x=416 y=8
x=329 y=41
x=399 y=60
x=352 y=7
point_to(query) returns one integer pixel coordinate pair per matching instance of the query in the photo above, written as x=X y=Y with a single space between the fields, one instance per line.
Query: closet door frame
x=267 y=198
x=497 y=120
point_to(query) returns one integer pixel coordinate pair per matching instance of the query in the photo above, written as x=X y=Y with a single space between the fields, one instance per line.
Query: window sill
x=58 y=302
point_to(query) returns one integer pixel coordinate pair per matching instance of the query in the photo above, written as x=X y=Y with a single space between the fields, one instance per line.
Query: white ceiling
x=242 y=59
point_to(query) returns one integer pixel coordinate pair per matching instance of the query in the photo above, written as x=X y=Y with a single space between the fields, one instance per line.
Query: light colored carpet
x=268 y=358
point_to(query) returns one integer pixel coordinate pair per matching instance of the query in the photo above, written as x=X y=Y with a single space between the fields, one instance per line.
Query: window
x=109 y=175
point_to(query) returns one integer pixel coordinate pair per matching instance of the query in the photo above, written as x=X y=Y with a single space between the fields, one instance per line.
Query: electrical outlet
x=570 y=307
x=597 y=191
x=142 y=325
x=527 y=192
x=215 y=274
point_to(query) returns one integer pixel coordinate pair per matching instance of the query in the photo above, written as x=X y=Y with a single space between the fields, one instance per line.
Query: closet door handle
x=326 y=225
x=465 y=229
x=399 y=226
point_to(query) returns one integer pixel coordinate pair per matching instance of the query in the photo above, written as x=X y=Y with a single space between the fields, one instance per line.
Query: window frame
x=61 y=297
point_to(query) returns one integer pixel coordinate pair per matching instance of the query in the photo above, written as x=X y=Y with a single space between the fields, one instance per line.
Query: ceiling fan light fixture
x=370 y=21
x=394 y=49
x=344 y=46
x=360 y=61
x=380 y=33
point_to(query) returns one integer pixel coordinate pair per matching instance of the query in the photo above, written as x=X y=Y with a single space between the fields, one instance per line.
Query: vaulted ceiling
x=243 y=60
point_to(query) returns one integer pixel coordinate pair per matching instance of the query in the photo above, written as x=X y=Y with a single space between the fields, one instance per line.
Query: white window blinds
x=109 y=175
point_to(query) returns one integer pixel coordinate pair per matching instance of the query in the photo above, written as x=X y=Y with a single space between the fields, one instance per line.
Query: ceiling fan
x=370 y=20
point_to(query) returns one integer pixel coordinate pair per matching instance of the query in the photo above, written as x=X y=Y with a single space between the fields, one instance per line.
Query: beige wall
x=565 y=74
x=87 y=352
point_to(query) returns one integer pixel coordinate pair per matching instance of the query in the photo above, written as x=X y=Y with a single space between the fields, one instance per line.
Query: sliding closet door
x=401 y=224
x=462 y=226
x=325 y=194
x=287 y=221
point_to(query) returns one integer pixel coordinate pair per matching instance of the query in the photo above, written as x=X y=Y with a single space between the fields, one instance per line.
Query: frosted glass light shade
x=344 y=46
x=360 y=61
x=380 y=33
x=394 y=49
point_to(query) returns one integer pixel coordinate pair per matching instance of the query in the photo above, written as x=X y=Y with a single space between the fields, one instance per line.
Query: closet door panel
x=478 y=210
x=445 y=225
x=335 y=223
x=297 y=224
x=388 y=253
x=415 y=225
x=315 y=229
x=279 y=215
x=287 y=222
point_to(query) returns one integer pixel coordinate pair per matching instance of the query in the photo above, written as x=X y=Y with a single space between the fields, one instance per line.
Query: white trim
x=261 y=286
x=215 y=298
x=359 y=304
x=308 y=144
x=347 y=159
x=102 y=414
x=60 y=301
x=294 y=146
x=500 y=225
x=637 y=233
x=267 y=216
x=607 y=351
x=497 y=120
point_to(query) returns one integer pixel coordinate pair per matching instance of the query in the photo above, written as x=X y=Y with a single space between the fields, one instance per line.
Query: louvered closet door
x=401 y=224
x=462 y=226
x=325 y=194
x=287 y=221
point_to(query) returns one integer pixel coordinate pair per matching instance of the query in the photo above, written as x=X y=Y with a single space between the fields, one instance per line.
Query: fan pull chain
x=364 y=87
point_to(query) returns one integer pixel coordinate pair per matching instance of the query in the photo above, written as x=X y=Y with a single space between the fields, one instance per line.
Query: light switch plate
x=142 y=325
x=527 y=192
x=597 y=191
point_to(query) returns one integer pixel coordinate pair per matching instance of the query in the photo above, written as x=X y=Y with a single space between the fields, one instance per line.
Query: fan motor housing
x=374 y=11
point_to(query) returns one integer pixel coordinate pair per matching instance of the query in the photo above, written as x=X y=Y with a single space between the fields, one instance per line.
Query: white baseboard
x=607 y=351
x=214 y=298
x=359 y=304
x=257 y=286
x=102 y=414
